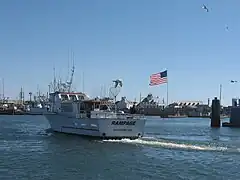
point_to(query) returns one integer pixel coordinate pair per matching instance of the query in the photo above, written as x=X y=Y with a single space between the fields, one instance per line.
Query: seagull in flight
x=226 y=27
x=205 y=8
x=118 y=82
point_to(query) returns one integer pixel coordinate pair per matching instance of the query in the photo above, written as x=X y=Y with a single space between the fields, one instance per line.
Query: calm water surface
x=171 y=149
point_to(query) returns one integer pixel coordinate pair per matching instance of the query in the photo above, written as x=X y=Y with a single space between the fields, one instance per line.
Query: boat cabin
x=83 y=107
x=96 y=108
x=67 y=96
x=59 y=100
x=94 y=105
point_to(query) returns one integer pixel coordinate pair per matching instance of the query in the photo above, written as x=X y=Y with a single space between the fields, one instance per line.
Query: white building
x=151 y=102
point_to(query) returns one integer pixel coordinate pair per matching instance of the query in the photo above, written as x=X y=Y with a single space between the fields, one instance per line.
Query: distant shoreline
x=222 y=117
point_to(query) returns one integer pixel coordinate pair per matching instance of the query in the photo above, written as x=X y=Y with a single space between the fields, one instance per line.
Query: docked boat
x=37 y=110
x=38 y=106
x=234 y=120
x=76 y=113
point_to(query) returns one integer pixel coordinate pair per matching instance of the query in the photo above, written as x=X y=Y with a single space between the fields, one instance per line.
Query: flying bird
x=233 y=81
x=205 y=8
x=226 y=27
x=118 y=82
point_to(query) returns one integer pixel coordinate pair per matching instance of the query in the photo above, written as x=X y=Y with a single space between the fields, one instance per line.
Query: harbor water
x=181 y=148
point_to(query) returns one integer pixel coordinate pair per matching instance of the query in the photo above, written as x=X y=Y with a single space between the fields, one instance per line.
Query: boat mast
x=54 y=79
x=38 y=92
x=21 y=96
x=83 y=82
x=68 y=65
x=3 y=95
x=71 y=77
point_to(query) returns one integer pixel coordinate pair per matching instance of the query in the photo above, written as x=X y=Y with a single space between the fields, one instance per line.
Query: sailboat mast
x=38 y=91
x=21 y=96
x=83 y=82
x=68 y=63
x=54 y=79
x=3 y=89
x=72 y=74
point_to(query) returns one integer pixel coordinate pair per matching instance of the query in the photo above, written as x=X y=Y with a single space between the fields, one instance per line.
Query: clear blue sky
x=122 y=39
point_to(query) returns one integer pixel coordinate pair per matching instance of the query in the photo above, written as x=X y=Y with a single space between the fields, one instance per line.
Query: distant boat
x=38 y=110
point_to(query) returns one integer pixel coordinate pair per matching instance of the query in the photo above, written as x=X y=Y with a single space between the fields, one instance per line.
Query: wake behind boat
x=75 y=113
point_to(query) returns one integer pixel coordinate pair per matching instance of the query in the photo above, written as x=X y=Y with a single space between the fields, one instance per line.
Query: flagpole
x=220 y=93
x=167 y=92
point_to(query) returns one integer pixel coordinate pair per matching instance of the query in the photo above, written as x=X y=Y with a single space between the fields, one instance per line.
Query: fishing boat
x=76 y=113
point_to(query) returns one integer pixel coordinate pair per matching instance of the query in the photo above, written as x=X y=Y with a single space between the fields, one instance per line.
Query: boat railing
x=107 y=115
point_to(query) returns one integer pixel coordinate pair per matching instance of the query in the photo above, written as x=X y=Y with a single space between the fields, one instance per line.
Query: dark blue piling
x=215 y=116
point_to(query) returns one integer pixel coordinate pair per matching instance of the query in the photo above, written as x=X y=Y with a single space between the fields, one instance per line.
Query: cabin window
x=103 y=107
x=80 y=97
x=96 y=106
x=73 y=97
x=64 y=97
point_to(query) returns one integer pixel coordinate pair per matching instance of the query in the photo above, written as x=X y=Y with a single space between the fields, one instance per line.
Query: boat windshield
x=103 y=107
x=73 y=97
x=80 y=97
x=64 y=97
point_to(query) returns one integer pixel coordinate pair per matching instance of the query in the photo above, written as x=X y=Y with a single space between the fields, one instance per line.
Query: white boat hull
x=97 y=127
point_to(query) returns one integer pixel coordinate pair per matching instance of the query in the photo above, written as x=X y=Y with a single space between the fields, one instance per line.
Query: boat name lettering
x=128 y=123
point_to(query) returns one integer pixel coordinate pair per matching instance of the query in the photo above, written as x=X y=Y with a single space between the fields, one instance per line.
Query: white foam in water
x=238 y=149
x=152 y=142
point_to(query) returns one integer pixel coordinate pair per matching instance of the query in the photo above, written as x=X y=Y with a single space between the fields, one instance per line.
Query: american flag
x=158 y=78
